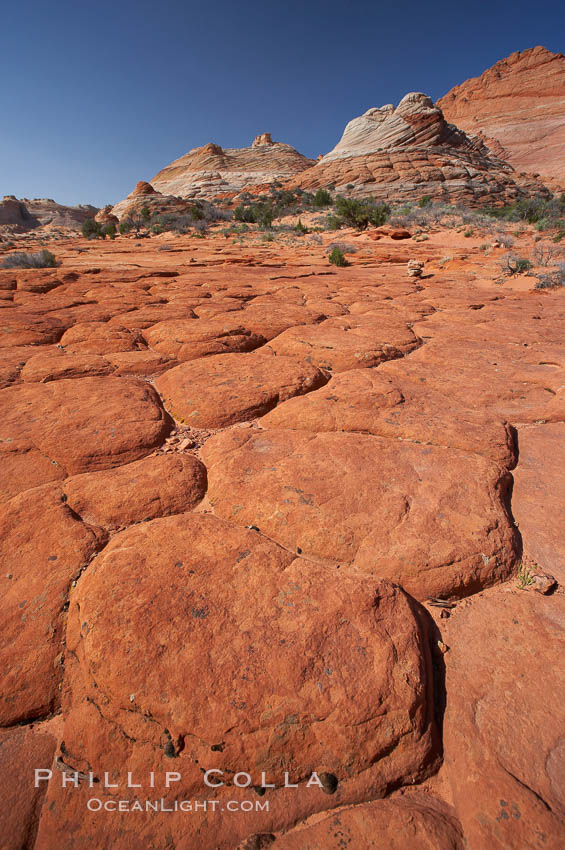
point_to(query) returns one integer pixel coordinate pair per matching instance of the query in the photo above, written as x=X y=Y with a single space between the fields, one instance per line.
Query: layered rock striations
x=518 y=108
x=410 y=151
x=145 y=196
x=25 y=214
x=210 y=170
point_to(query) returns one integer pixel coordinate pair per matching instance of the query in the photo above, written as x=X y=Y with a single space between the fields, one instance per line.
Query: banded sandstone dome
x=388 y=153
x=25 y=214
x=518 y=109
x=210 y=170
x=411 y=151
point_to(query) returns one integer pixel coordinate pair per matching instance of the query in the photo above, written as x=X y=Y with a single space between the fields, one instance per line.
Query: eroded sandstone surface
x=261 y=514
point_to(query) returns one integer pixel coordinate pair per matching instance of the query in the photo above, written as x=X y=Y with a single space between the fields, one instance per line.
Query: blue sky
x=96 y=96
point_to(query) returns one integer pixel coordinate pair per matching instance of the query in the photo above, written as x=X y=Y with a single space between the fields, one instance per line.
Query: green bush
x=536 y=210
x=300 y=228
x=425 y=201
x=516 y=265
x=92 y=229
x=522 y=265
x=360 y=214
x=23 y=260
x=261 y=213
x=247 y=214
x=337 y=258
x=125 y=226
x=322 y=198
x=333 y=222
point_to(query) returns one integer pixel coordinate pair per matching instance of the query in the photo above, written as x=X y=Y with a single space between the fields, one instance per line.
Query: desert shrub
x=425 y=201
x=337 y=258
x=552 y=280
x=170 y=222
x=109 y=230
x=25 y=260
x=543 y=253
x=125 y=226
x=426 y=216
x=333 y=222
x=280 y=202
x=541 y=211
x=360 y=214
x=505 y=240
x=322 y=198
x=300 y=228
x=246 y=213
x=92 y=229
x=205 y=211
x=197 y=216
x=137 y=222
x=265 y=217
x=515 y=265
x=234 y=229
x=525 y=576
x=344 y=247
x=260 y=212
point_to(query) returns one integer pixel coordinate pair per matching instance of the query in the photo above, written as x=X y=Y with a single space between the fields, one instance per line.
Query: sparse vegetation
x=344 y=247
x=333 y=222
x=261 y=213
x=360 y=214
x=525 y=576
x=92 y=229
x=552 y=280
x=28 y=260
x=337 y=258
x=543 y=254
x=512 y=265
x=322 y=198
x=538 y=210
